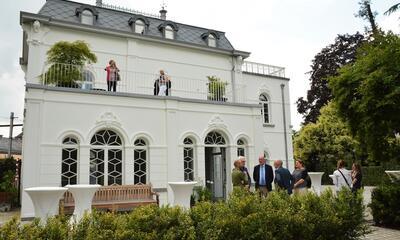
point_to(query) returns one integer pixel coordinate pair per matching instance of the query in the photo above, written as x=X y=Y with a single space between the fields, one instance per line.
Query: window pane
x=212 y=42
x=97 y=166
x=87 y=17
x=188 y=163
x=114 y=167
x=169 y=34
x=139 y=26
x=69 y=166
x=139 y=165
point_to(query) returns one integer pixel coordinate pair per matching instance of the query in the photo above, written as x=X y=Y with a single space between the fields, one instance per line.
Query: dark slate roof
x=16 y=145
x=118 y=20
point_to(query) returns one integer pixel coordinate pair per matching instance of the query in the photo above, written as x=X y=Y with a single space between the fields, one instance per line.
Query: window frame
x=169 y=29
x=143 y=146
x=84 y=15
x=213 y=38
x=139 y=23
x=189 y=145
x=265 y=104
x=68 y=145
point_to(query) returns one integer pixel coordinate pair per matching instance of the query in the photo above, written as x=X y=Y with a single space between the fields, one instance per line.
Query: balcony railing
x=94 y=79
x=263 y=69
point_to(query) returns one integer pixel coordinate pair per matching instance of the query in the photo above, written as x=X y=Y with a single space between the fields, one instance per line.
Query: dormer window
x=212 y=41
x=211 y=38
x=168 y=29
x=169 y=32
x=87 y=17
x=87 y=14
x=139 y=26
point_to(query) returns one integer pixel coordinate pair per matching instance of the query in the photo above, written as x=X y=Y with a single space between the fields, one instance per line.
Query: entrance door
x=216 y=171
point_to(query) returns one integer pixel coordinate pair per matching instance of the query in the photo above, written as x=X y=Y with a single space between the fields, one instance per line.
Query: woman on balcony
x=112 y=76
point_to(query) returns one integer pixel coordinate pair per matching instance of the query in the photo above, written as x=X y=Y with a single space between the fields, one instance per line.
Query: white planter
x=316 y=178
x=394 y=175
x=182 y=192
x=83 y=196
x=45 y=200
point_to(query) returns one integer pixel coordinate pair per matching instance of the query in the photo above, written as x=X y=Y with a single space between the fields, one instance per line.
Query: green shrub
x=243 y=216
x=385 y=205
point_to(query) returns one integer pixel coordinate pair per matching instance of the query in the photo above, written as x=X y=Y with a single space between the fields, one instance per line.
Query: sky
x=287 y=33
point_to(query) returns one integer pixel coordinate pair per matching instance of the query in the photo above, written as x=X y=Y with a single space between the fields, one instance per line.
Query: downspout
x=284 y=124
x=233 y=80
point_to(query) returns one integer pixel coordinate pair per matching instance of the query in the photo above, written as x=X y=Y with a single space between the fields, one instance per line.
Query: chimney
x=163 y=14
x=99 y=3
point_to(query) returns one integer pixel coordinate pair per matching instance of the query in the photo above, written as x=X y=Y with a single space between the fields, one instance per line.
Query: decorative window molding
x=87 y=14
x=214 y=138
x=217 y=122
x=140 y=161
x=265 y=108
x=69 y=161
x=139 y=24
x=188 y=159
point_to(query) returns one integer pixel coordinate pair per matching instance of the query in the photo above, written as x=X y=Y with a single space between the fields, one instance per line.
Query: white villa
x=86 y=134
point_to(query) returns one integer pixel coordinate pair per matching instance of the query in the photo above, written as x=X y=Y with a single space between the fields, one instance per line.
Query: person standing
x=283 y=178
x=244 y=169
x=112 y=75
x=356 y=176
x=341 y=176
x=164 y=82
x=300 y=175
x=239 y=179
x=263 y=176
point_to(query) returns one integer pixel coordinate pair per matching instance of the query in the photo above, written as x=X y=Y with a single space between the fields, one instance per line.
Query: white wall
x=164 y=123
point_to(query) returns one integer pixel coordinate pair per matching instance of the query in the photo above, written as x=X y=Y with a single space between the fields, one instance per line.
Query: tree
x=325 y=64
x=66 y=60
x=393 y=9
x=321 y=144
x=367 y=94
x=366 y=13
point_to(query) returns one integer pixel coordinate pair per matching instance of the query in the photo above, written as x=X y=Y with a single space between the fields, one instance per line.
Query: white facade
x=162 y=122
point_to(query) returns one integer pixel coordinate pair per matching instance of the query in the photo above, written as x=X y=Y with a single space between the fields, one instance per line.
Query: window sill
x=268 y=125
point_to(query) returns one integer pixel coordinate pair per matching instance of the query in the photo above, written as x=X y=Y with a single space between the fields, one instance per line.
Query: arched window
x=265 y=108
x=140 y=162
x=188 y=159
x=106 y=158
x=241 y=147
x=169 y=32
x=212 y=41
x=214 y=138
x=69 y=161
x=87 y=17
x=139 y=26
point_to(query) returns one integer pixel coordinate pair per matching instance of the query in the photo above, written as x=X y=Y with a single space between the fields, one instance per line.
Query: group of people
x=296 y=182
x=162 y=85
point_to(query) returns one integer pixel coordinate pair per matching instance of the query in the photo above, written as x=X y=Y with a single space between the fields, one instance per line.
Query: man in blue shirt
x=263 y=176
x=283 y=178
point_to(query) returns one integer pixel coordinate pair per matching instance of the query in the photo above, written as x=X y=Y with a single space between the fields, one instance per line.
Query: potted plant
x=216 y=89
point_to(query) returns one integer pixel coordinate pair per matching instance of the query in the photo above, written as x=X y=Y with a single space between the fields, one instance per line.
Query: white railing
x=94 y=79
x=129 y=10
x=263 y=69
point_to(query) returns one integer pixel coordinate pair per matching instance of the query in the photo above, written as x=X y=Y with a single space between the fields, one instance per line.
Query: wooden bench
x=115 y=198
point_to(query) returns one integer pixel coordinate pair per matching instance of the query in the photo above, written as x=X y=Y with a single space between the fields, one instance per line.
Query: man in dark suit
x=263 y=176
x=283 y=178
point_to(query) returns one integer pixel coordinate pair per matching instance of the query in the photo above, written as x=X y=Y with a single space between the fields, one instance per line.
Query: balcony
x=92 y=78
x=263 y=69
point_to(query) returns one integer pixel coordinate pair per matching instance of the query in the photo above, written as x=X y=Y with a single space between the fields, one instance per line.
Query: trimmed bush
x=244 y=216
x=385 y=205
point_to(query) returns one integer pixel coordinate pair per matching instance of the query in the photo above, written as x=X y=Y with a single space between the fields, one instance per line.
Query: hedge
x=385 y=205
x=242 y=216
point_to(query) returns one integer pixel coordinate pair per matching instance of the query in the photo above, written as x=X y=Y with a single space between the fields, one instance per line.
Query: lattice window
x=140 y=162
x=106 y=158
x=188 y=159
x=69 y=161
x=265 y=108
x=241 y=149
x=214 y=138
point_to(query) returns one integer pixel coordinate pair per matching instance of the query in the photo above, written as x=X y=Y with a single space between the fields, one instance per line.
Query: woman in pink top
x=112 y=76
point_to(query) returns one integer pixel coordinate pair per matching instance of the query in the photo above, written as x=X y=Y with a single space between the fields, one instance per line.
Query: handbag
x=344 y=178
x=117 y=76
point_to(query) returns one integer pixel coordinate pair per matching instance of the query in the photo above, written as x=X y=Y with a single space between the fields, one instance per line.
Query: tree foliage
x=367 y=14
x=326 y=64
x=74 y=53
x=321 y=144
x=67 y=60
x=367 y=94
